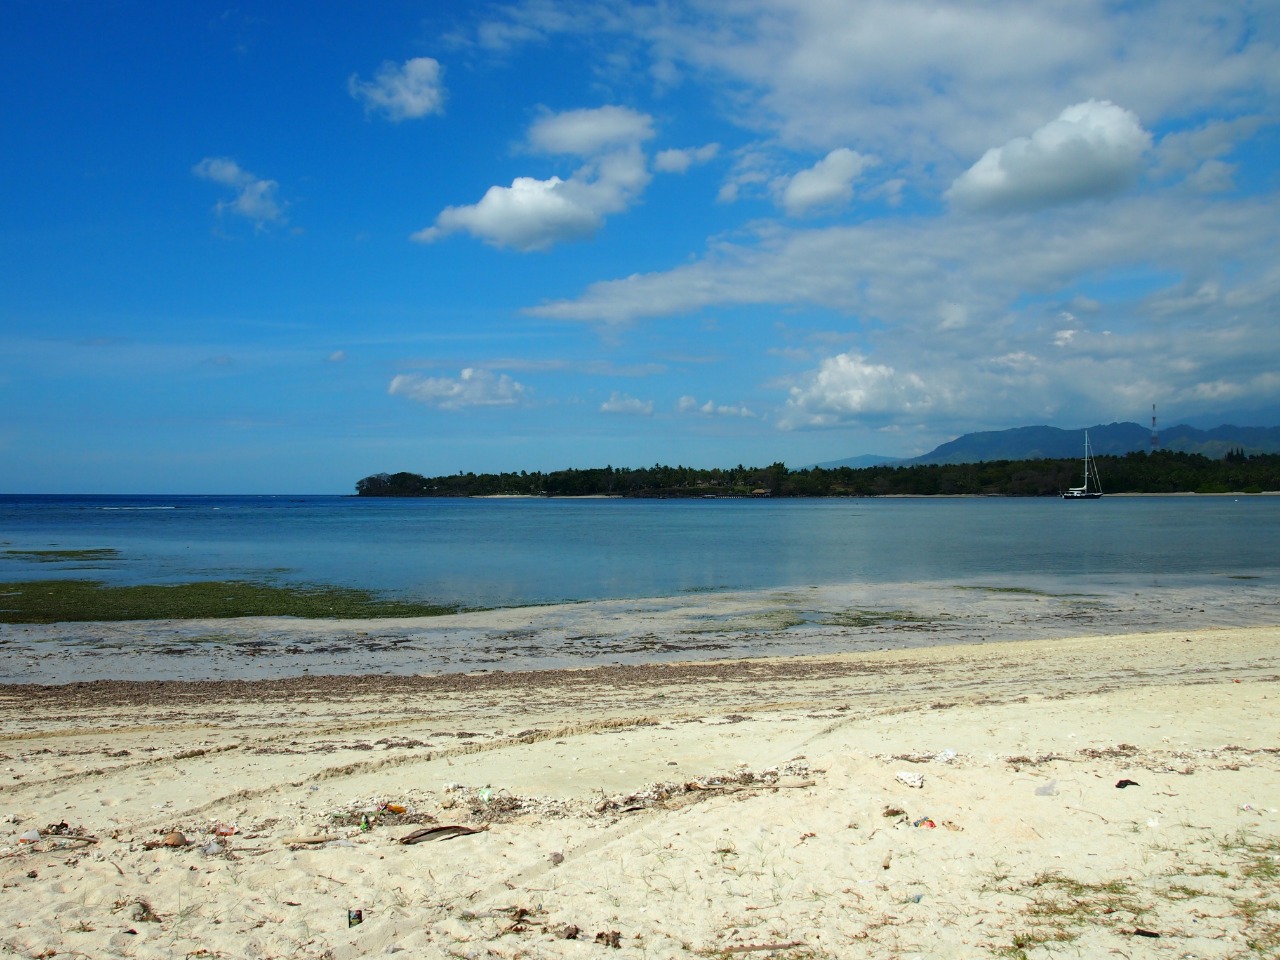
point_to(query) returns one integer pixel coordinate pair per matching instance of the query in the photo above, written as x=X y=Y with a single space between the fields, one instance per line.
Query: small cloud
x=1019 y=360
x=1063 y=338
x=413 y=89
x=1093 y=149
x=338 y=356
x=472 y=388
x=679 y=161
x=255 y=198
x=688 y=404
x=528 y=215
x=827 y=183
x=536 y=214
x=589 y=132
x=625 y=403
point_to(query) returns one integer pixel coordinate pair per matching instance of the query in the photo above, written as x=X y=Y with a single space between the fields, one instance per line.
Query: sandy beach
x=1088 y=796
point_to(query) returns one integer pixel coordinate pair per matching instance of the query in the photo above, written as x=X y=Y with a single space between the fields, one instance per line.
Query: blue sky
x=277 y=247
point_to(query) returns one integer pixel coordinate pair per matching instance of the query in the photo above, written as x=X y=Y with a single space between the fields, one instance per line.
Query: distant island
x=961 y=467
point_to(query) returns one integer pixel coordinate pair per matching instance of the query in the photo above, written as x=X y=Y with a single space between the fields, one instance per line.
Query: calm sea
x=520 y=551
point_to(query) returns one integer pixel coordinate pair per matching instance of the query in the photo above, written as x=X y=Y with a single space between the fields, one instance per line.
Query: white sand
x=775 y=835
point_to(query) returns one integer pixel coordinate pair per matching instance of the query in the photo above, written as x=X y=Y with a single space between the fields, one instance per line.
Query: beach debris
x=442 y=832
x=309 y=841
x=925 y=822
x=31 y=836
x=1049 y=789
x=556 y=857
x=914 y=780
x=697 y=788
x=371 y=812
x=569 y=932
x=1121 y=784
x=213 y=848
x=1143 y=932
x=610 y=938
x=173 y=839
x=355 y=918
x=140 y=911
x=224 y=829
x=892 y=811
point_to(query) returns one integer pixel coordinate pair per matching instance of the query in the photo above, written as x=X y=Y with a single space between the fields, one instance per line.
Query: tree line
x=1157 y=472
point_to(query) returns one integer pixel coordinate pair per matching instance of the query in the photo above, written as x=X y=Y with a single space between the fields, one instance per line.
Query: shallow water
x=507 y=552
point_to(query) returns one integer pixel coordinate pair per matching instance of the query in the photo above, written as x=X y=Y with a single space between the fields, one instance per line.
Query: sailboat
x=1090 y=474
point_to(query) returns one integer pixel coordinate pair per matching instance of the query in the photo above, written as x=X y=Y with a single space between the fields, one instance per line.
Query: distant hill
x=856 y=463
x=1034 y=443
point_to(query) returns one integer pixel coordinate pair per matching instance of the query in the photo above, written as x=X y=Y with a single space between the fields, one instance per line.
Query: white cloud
x=535 y=214
x=255 y=198
x=1093 y=149
x=828 y=183
x=586 y=133
x=413 y=89
x=472 y=388
x=847 y=387
x=679 y=161
x=529 y=215
x=338 y=356
x=627 y=404
x=689 y=404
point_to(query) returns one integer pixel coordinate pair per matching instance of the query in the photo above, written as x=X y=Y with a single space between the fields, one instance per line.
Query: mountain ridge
x=1055 y=443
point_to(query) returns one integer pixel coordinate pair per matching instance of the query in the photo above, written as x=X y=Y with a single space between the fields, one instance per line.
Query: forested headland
x=1157 y=472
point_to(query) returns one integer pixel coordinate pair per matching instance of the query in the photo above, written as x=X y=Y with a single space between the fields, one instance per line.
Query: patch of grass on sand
x=60 y=601
x=874 y=618
x=781 y=619
x=91 y=555
x=1243 y=905
x=1061 y=908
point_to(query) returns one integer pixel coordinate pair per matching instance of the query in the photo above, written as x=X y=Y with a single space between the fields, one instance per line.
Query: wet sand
x=817 y=620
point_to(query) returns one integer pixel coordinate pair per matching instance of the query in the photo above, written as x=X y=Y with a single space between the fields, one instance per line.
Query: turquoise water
x=508 y=552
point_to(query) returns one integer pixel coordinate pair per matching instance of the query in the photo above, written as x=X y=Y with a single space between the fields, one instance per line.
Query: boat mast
x=1086 y=461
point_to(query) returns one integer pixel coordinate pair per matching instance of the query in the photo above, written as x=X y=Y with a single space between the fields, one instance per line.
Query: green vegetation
x=1159 y=472
x=60 y=601
x=875 y=618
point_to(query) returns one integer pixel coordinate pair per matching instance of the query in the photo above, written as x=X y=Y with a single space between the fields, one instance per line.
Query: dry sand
x=951 y=801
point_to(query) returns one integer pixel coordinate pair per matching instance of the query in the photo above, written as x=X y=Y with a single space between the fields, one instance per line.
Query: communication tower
x=1155 y=435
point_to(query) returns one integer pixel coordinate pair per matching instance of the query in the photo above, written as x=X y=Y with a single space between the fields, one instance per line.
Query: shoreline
x=814 y=620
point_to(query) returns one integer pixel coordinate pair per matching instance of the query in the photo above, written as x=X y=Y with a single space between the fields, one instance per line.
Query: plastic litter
x=31 y=836
x=355 y=918
x=1121 y=784
x=915 y=780
x=927 y=823
x=212 y=848
x=1049 y=789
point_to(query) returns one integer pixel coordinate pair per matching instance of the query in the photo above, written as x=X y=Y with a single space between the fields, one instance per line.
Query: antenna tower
x=1155 y=435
